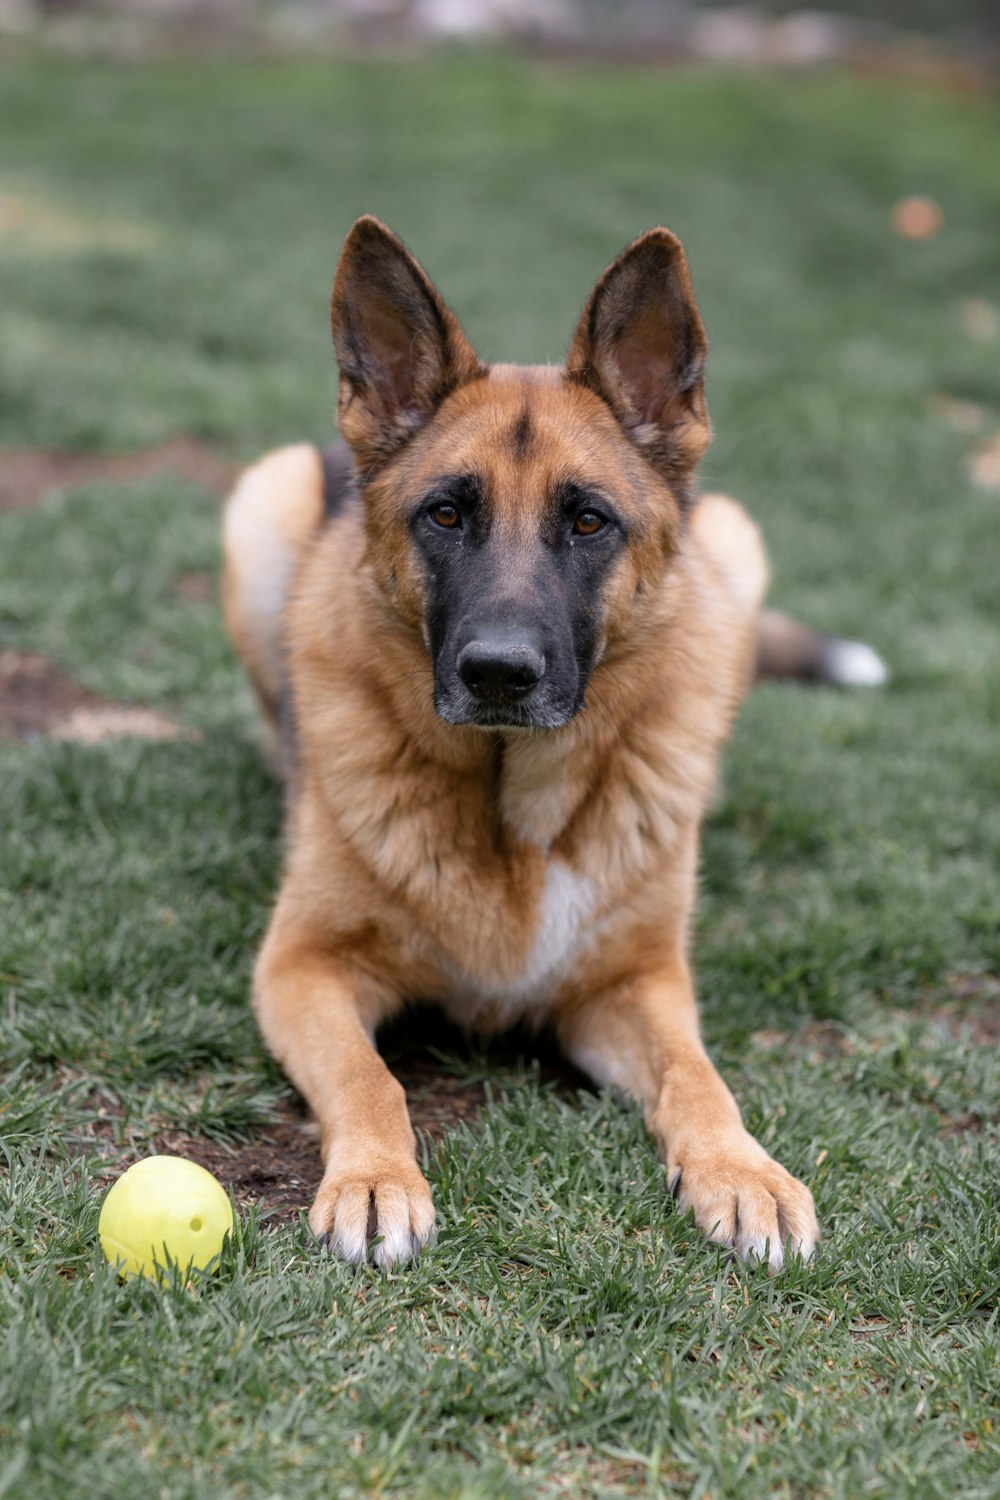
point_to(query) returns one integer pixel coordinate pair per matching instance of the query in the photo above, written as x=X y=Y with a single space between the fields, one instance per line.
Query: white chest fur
x=563 y=931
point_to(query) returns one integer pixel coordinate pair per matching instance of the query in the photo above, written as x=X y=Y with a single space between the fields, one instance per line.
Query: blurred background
x=772 y=31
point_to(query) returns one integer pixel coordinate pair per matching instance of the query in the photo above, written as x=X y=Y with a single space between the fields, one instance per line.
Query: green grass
x=570 y=1334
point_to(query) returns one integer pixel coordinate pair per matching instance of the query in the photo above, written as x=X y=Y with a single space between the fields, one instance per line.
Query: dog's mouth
x=460 y=707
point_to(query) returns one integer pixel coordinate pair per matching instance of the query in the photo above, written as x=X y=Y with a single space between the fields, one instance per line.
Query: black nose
x=503 y=668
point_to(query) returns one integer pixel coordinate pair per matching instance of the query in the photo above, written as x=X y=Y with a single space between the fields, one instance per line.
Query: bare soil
x=27 y=475
x=278 y=1173
x=35 y=695
x=973 y=1007
x=36 y=698
x=196 y=588
x=280 y=1170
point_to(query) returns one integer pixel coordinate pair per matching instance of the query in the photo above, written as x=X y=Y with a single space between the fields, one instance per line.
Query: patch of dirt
x=865 y=1327
x=972 y=1006
x=36 y=698
x=34 y=695
x=280 y=1170
x=968 y=1005
x=437 y=1099
x=966 y=1124
x=27 y=475
x=196 y=588
x=817 y=1039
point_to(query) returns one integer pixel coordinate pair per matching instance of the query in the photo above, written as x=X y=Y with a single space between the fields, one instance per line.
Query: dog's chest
x=523 y=979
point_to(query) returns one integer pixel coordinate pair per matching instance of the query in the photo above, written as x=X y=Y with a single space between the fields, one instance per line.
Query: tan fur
x=506 y=874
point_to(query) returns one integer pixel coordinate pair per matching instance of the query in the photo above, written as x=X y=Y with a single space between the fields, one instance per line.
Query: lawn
x=168 y=233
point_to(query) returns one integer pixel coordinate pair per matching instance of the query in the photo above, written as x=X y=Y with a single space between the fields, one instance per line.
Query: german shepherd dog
x=499 y=641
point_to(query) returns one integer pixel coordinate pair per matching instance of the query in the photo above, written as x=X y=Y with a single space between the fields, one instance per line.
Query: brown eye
x=445 y=515
x=588 y=523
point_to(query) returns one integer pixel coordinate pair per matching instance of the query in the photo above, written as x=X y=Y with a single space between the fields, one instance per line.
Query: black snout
x=501 y=668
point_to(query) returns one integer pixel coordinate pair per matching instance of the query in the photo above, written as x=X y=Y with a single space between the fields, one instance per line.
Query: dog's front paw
x=385 y=1202
x=742 y=1197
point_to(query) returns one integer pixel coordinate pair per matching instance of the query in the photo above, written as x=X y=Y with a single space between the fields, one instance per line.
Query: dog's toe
x=386 y=1215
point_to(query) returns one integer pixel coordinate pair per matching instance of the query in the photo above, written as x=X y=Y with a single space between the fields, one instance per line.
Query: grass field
x=167 y=240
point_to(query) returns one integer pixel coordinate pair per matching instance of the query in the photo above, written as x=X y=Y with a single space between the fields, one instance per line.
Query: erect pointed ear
x=640 y=344
x=400 y=350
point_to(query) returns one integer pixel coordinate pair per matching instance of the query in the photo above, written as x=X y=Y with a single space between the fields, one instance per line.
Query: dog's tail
x=788 y=649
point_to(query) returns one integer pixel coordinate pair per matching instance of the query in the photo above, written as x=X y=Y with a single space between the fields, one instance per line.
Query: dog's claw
x=378 y=1217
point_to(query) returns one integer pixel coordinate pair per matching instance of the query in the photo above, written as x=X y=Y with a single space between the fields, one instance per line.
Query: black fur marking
x=339 y=490
x=339 y=484
x=500 y=606
x=521 y=434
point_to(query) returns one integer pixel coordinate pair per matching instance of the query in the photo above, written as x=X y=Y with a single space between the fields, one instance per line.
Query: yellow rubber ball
x=164 y=1209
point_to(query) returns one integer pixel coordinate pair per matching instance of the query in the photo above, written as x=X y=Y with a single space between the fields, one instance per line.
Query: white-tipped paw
x=384 y=1213
x=743 y=1198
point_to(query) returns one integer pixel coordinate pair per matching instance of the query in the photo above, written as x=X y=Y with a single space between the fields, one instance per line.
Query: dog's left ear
x=399 y=347
x=640 y=344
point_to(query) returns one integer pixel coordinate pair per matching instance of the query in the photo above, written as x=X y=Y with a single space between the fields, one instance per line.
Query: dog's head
x=518 y=516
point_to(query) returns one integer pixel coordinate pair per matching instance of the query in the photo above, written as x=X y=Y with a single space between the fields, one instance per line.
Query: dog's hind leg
x=786 y=648
x=278 y=505
x=736 y=576
x=732 y=542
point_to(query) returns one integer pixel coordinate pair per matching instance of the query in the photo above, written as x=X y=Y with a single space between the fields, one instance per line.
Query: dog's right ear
x=400 y=349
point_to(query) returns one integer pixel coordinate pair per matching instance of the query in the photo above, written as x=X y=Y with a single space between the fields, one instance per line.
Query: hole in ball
x=196 y=1225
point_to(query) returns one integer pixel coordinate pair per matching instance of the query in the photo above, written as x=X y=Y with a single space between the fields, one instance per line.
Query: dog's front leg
x=644 y=1039
x=317 y=1014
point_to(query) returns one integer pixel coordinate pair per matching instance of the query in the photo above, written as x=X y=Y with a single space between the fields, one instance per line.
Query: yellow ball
x=164 y=1209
